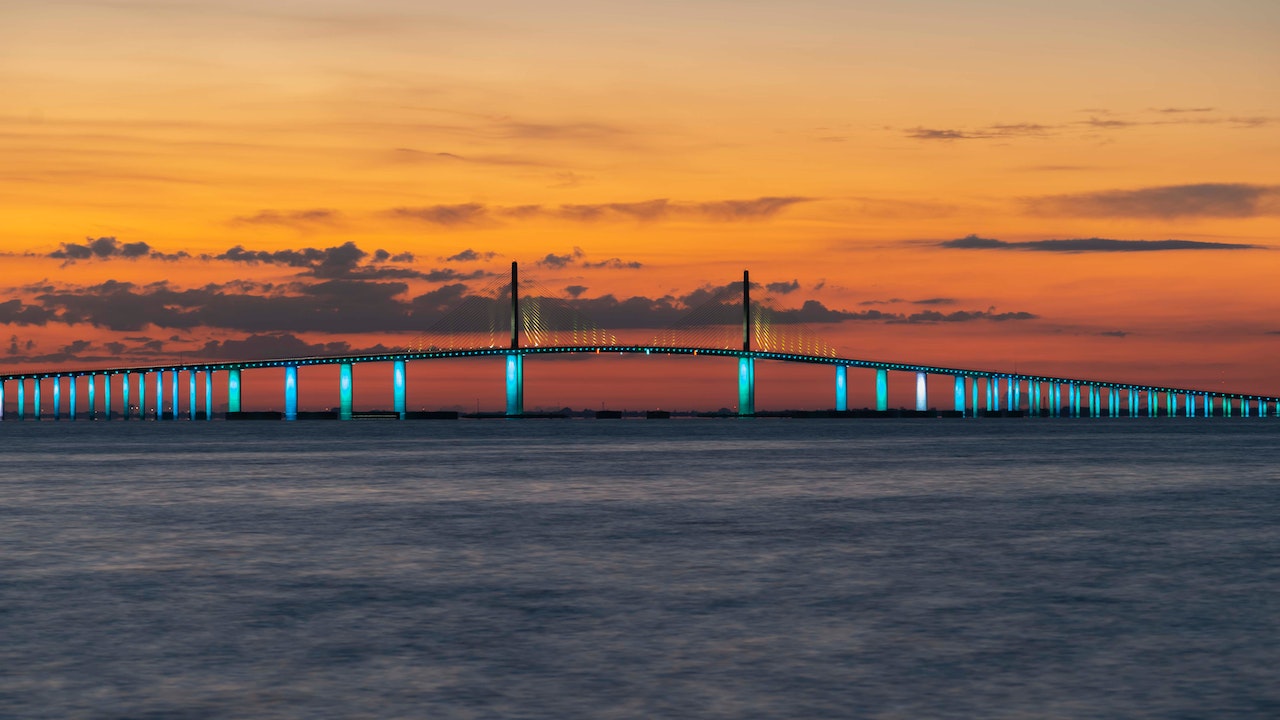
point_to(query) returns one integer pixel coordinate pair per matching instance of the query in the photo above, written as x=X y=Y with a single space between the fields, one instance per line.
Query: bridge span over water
x=977 y=392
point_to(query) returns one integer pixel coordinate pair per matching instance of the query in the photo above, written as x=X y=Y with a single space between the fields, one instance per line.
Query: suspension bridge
x=502 y=321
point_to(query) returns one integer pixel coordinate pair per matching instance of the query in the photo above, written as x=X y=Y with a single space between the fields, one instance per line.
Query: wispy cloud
x=108 y=248
x=1220 y=200
x=1082 y=245
x=290 y=218
x=656 y=210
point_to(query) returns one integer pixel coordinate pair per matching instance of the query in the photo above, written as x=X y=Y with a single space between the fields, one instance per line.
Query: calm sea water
x=629 y=569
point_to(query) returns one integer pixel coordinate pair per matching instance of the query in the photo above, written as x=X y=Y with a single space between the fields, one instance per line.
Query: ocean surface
x=994 y=568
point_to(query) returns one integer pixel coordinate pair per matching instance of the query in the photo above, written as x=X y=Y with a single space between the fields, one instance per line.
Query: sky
x=1084 y=189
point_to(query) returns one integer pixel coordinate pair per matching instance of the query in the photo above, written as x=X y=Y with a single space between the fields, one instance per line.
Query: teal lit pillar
x=93 y=407
x=233 y=390
x=1189 y=404
x=1208 y=405
x=746 y=386
x=1015 y=393
x=290 y=392
x=1 y=399
x=35 y=397
x=106 y=396
x=1034 y=389
x=1244 y=407
x=159 y=395
x=173 y=391
x=142 y=396
x=22 y=398
x=1153 y=403
x=1095 y=401
x=208 y=394
x=882 y=389
x=344 y=391
x=57 y=397
x=974 y=394
x=959 y=394
x=515 y=384
x=1074 y=392
x=922 y=392
x=842 y=388
x=125 y=410
x=1171 y=403
x=397 y=388
x=993 y=389
x=191 y=394
x=1133 y=402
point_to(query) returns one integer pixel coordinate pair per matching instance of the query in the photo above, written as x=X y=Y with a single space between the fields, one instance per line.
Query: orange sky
x=840 y=145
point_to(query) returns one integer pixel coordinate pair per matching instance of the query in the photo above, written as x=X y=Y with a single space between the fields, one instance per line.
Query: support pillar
x=106 y=396
x=1036 y=388
x=1074 y=392
x=1 y=400
x=842 y=388
x=922 y=392
x=515 y=385
x=22 y=398
x=974 y=394
x=291 y=392
x=397 y=388
x=882 y=389
x=57 y=397
x=1208 y=405
x=208 y=394
x=173 y=390
x=1010 y=386
x=959 y=394
x=142 y=396
x=1190 y=404
x=746 y=386
x=993 y=389
x=93 y=406
x=159 y=395
x=233 y=390
x=1244 y=407
x=1015 y=393
x=124 y=396
x=344 y=391
x=191 y=394
x=35 y=397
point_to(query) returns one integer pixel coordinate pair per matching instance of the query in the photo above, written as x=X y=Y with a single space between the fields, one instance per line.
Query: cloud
x=1220 y=200
x=470 y=255
x=275 y=345
x=290 y=218
x=934 y=301
x=783 y=288
x=933 y=316
x=558 y=261
x=1114 y=333
x=995 y=131
x=108 y=248
x=614 y=264
x=575 y=291
x=1078 y=245
x=655 y=210
x=346 y=261
x=1181 y=110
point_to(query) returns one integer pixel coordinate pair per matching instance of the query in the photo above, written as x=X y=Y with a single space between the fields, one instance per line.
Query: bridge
x=976 y=393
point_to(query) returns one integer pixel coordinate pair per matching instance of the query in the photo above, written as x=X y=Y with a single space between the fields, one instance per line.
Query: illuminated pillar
x=35 y=397
x=1015 y=393
x=208 y=394
x=842 y=388
x=1075 y=399
x=746 y=386
x=191 y=394
x=93 y=408
x=397 y=388
x=1036 y=387
x=1095 y=401
x=515 y=385
x=57 y=397
x=974 y=394
x=993 y=388
x=124 y=396
x=922 y=392
x=291 y=392
x=882 y=389
x=344 y=391
x=233 y=390
x=159 y=395
x=22 y=398
x=1009 y=388
x=106 y=396
x=1133 y=402
x=1 y=399
x=1244 y=407
x=173 y=390
x=1208 y=405
x=1190 y=404
x=959 y=394
x=142 y=396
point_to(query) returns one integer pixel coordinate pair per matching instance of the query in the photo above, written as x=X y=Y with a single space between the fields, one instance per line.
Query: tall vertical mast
x=515 y=306
x=746 y=310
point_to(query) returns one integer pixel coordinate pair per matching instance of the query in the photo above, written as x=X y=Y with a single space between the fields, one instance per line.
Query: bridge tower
x=515 y=360
x=746 y=364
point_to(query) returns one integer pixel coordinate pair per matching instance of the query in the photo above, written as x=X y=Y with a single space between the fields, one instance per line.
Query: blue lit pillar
x=397 y=388
x=974 y=394
x=35 y=397
x=1015 y=393
x=1009 y=385
x=922 y=392
x=191 y=394
x=1244 y=407
x=57 y=397
x=142 y=396
x=290 y=392
x=159 y=395
x=1075 y=400
x=993 y=387
x=746 y=386
x=124 y=396
x=842 y=388
x=1036 y=388
x=106 y=396
x=515 y=385
x=22 y=398
x=959 y=394
x=1226 y=406
x=344 y=391
x=1 y=400
x=93 y=407
x=233 y=390
x=882 y=389
x=1189 y=404
x=208 y=394
x=1208 y=405
x=173 y=390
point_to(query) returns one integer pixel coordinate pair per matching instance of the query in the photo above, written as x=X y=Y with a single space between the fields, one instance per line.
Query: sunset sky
x=1086 y=189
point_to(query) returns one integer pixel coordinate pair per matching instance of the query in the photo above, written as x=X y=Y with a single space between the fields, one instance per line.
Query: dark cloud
x=1222 y=200
x=462 y=215
x=1079 y=245
x=995 y=131
x=1114 y=333
x=15 y=312
x=559 y=261
x=107 y=248
x=346 y=261
x=290 y=218
x=933 y=316
x=1180 y=110
x=614 y=264
x=934 y=301
x=470 y=255
x=783 y=288
x=476 y=214
x=574 y=291
x=276 y=345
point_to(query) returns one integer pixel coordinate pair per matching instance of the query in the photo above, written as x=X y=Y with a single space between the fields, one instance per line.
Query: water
x=630 y=569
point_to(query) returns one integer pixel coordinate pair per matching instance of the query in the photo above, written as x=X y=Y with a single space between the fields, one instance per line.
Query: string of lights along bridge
x=503 y=321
